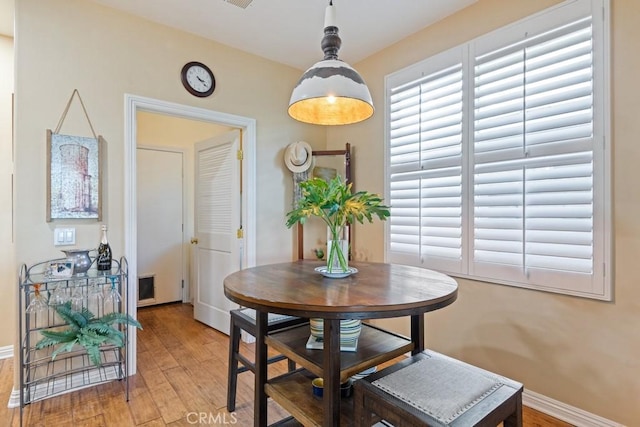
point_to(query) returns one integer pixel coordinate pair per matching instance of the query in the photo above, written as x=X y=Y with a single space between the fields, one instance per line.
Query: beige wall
x=8 y=269
x=581 y=352
x=67 y=44
x=63 y=45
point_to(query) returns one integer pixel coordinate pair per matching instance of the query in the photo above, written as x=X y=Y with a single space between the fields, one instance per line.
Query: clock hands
x=198 y=77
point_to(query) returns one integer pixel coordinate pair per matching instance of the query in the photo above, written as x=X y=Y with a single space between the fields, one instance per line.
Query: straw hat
x=298 y=156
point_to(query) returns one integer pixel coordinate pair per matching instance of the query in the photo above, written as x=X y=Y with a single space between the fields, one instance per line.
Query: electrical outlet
x=64 y=236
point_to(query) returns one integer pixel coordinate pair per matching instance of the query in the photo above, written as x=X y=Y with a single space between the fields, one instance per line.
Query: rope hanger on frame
x=66 y=110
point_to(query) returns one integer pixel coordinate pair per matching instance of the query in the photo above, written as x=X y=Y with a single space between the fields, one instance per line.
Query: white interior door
x=160 y=225
x=218 y=249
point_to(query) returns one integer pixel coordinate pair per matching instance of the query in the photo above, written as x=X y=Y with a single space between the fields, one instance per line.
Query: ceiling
x=285 y=31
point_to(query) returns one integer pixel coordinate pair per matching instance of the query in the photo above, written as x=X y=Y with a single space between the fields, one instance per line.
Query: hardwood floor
x=181 y=381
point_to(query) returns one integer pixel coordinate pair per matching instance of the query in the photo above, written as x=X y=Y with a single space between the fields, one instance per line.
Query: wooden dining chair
x=244 y=319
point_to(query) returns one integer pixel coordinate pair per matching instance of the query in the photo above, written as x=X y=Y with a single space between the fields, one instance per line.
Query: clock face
x=198 y=79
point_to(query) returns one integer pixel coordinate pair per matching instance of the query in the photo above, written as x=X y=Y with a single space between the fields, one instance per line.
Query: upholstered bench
x=431 y=389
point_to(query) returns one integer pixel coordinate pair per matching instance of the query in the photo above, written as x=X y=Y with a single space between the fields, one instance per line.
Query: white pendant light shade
x=331 y=92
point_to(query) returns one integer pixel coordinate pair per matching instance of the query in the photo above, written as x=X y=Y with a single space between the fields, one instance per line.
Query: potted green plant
x=338 y=207
x=87 y=331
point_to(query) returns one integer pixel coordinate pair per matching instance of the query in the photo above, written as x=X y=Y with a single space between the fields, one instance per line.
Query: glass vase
x=338 y=249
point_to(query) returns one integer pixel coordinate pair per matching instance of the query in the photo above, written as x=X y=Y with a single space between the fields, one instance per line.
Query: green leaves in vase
x=335 y=204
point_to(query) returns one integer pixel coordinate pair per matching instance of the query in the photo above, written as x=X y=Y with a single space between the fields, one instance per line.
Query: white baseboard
x=14 y=399
x=564 y=412
x=6 y=352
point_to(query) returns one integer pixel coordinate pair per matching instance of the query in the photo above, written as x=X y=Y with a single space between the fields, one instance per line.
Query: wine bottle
x=104 y=252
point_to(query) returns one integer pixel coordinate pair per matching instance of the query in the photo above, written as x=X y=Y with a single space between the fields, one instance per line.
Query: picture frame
x=74 y=177
x=60 y=269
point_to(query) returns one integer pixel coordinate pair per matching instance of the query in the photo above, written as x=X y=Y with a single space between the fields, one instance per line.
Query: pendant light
x=331 y=92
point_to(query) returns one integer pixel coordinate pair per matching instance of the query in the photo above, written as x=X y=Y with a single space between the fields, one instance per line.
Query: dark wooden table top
x=377 y=290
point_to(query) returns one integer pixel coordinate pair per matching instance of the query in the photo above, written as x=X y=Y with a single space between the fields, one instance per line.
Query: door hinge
x=240 y=155
x=183 y=283
x=240 y=233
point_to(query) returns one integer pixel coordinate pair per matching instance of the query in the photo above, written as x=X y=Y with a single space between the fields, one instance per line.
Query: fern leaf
x=87 y=314
x=56 y=337
x=105 y=330
x=116 y=340
x=123 y=318
x=92 y=342
x=117 y=335
x=64 y=335
x=71 y=316
x=67 y=347
x=99 y=327
x=94 y=354
x=90 y=338
x=46 y=342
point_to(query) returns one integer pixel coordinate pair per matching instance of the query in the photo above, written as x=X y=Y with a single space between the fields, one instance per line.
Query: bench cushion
x=442 y=389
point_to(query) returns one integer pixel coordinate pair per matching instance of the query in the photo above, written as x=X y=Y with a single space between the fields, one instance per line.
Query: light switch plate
x=64 y=236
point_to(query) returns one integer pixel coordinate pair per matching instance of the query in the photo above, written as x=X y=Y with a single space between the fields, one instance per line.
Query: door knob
x=194 y=240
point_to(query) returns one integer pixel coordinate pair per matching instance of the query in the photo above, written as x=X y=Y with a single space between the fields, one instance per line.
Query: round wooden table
x=377 y=290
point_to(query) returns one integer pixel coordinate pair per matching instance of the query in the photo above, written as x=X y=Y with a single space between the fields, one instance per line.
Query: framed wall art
x=74 y=177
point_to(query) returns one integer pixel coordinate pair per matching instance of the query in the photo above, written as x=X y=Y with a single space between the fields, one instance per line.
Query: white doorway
x=134 y=104
x=160 y=211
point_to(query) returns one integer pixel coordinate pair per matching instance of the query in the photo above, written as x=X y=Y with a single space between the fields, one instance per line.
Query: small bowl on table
x=317 y=386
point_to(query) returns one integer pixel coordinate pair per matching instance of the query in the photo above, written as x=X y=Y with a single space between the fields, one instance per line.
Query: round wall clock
x=198 y=79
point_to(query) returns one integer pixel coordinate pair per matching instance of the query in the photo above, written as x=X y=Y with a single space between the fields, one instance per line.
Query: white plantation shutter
x=533 y=145
x=425 y=140
x=496 y=165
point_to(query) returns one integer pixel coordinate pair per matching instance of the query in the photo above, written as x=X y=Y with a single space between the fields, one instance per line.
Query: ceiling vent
x=240 y=3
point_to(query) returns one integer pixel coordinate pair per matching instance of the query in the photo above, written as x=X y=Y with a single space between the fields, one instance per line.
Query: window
x=498 y=156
